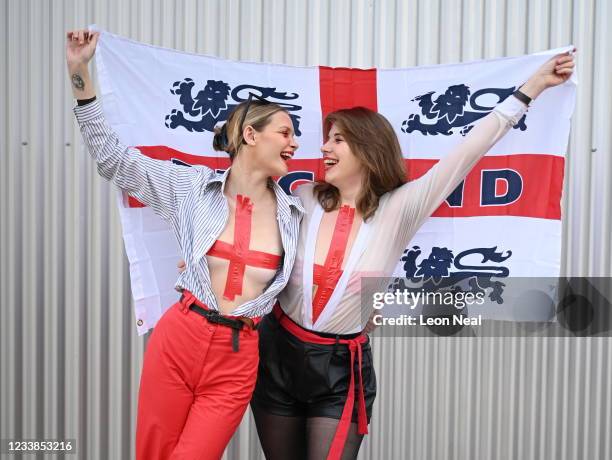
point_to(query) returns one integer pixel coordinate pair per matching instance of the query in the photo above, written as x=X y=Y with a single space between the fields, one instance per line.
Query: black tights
x=301 y=438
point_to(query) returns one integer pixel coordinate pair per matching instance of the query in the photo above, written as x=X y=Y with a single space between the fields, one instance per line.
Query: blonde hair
x=228 y=138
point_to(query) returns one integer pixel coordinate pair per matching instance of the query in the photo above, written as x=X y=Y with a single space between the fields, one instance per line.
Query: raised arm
x=418 y=199
x=156 y=183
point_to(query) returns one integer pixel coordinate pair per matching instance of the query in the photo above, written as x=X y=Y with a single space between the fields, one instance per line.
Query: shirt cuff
x=511 y=107
x=510 y=111
x=85 y=101
x=88 y=112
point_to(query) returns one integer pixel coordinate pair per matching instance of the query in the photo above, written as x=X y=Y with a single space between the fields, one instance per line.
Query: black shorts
x=301 y=379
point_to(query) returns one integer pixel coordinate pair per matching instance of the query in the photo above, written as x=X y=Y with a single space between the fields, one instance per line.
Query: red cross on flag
x=167 y=103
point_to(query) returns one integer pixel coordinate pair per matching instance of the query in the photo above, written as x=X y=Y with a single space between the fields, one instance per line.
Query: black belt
x=214 y=317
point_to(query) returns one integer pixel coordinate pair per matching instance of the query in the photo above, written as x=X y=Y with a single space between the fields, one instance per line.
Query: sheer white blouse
x=381 y=241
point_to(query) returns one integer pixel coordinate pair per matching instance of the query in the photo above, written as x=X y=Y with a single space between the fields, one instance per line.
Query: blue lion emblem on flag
x=434 y=271
x=454 y=110
x=210 y=105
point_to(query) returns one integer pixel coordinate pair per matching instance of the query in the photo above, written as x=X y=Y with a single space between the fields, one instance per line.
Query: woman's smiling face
x=275 y=144
x=341 y=165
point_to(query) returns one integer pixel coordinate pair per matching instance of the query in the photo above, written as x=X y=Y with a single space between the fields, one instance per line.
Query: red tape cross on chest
x=239 y=254
x=326 y=276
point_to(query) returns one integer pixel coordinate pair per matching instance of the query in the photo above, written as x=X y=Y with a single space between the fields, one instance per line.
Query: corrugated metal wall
x=70 y=355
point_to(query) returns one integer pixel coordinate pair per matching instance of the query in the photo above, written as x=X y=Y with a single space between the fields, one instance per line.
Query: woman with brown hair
x=237 y=232
x=316 y=384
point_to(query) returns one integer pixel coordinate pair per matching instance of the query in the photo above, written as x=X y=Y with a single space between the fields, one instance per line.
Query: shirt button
x=140 y=322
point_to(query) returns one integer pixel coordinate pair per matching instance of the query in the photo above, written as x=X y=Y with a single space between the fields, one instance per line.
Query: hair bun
x=220 y=141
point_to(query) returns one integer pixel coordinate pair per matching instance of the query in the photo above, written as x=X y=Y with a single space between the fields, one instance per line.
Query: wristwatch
x=522 y=97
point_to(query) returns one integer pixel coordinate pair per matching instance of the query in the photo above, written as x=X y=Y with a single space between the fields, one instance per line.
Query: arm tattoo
x=78 y=82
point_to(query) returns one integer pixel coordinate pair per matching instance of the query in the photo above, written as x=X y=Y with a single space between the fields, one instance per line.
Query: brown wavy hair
x=373 y=141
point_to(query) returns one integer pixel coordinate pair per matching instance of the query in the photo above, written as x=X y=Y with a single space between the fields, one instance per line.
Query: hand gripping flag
x=504 y=219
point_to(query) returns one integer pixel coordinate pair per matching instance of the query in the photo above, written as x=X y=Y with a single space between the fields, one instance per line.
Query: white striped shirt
x=191 y=199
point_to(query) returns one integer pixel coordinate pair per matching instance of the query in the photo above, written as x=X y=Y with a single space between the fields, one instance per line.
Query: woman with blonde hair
x=237 y=232
x=316 y=383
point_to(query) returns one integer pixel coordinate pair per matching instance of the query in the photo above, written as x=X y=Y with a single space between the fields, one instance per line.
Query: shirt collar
x=220 y=177
x=284 y=201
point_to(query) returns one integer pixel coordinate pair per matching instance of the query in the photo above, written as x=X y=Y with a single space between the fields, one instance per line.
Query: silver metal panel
x=70 y=356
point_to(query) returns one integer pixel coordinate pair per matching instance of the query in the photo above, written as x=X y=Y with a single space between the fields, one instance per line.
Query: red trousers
x=194 y=389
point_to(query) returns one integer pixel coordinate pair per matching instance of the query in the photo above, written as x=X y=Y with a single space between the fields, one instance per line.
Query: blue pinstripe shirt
x=191 y=199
